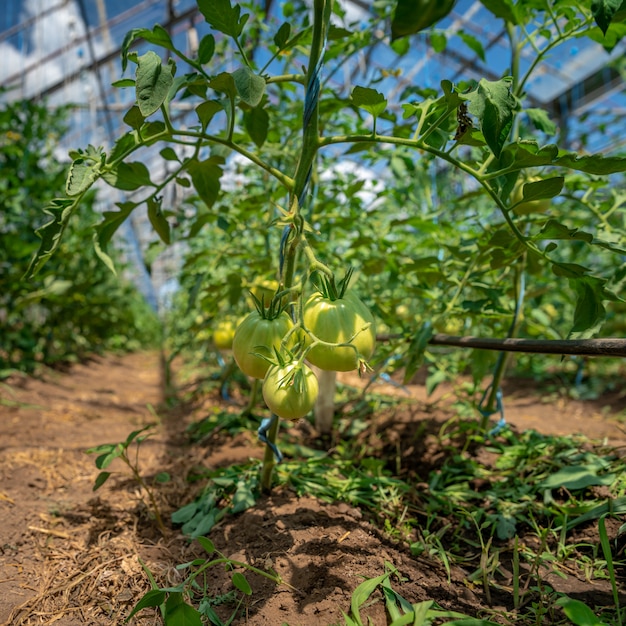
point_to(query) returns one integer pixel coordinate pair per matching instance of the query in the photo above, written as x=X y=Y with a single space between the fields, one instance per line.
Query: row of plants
x=78 y=307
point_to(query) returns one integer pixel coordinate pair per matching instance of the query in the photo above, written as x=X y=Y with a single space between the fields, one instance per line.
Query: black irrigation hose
x=611 y=347
x=608 y=347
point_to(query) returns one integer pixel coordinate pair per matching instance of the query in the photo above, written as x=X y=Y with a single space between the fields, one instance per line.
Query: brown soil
x=71 y=556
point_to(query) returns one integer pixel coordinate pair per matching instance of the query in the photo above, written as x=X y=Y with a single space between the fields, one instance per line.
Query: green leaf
x=223 y=17
x=100 y=480
x=370 y=100
x=123 y=82
x=257 y=124
x=576 y=477
x=590 y=312
x=158 y=36
x=61 y=210
x=438 y=41
x=493 y=104
x=207 y=545
x=224 y=83
x=158 y=220
x=169 y=154
x=83 y=173
x=541 y=121
x=206 y=110
x=504 y=9
x=154 y=597
x=128 y=176
x=205 y=176
x=134 y=118
x=554 y=230
x=578 y=612
x=179 y=613
x=153 y=82
x=546 y=188
x=361 y=594
x=244 y=497
x=473 y=44
x=249 y=85
x=107 y=228
x=416 y=350
x=527 y=153
x=240 y=582
x=206 y=49
x=412 y=16
x=603 y=12
x=282 y=35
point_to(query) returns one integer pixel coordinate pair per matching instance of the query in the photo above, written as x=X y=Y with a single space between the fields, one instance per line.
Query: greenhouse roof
x=68 y=51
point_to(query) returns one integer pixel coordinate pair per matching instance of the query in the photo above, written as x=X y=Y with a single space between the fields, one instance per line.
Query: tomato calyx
x=334 y=290
x=273 y=309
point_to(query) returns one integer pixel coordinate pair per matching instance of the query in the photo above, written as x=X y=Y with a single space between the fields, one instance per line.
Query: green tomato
x=344 y=320
x=257 y=334
x=290 y=390
x=224 y=334
x=530 y=206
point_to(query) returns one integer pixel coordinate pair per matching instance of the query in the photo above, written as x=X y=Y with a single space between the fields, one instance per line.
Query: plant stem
x=310 y=146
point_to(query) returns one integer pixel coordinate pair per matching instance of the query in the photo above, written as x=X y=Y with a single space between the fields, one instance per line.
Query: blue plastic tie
x=266 y=424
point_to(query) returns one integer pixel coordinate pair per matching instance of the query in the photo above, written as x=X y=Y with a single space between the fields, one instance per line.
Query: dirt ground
x=71 y=556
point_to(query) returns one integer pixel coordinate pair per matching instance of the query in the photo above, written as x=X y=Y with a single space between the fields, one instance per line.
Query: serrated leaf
x=369 y=99
x=158 y=36
x=82 y=175
x=257 y=124
x=158 y=220
x=249 y=85
x=205 y=176
x=527 y=153
x=153 y=81
x=493 y=104
x=61 y=210
x=412 y=17
x=223 y=17
x=206 y=49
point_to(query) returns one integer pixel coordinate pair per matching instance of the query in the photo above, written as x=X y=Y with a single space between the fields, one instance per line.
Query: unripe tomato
x=290 y=390
x=224 y=334
x=530 y=206
x=257 y=334
x=342 y=320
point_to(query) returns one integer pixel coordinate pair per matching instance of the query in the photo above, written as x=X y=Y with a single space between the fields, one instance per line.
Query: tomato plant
x=286 y=173
x=290 y=389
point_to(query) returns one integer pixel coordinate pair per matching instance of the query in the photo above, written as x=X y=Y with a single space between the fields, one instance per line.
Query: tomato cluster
x=336 y=333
